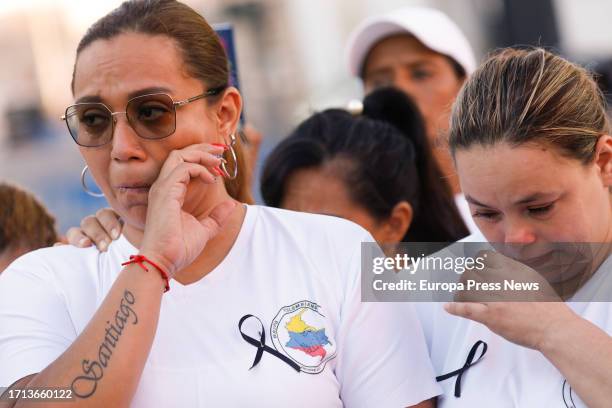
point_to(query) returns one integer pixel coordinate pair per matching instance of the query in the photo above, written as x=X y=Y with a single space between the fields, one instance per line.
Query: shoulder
x=46 y=298
x=324 y=242
x=56 y=268
x=44 y=262
x=312 y=225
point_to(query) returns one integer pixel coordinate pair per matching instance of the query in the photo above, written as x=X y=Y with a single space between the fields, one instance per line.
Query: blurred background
x=290 y=62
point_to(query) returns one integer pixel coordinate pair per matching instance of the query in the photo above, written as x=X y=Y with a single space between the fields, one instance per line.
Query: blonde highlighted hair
x=530 y=95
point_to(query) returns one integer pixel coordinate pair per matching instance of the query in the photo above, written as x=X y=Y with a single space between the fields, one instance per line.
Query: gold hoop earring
x=84 y=184
x=230 y=146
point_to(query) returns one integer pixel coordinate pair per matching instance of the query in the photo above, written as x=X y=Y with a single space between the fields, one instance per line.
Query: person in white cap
x=424 y=53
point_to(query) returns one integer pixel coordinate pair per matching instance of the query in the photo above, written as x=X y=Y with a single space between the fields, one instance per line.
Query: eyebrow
x=526 y=200
x=472 y=200
x=419 y=63
x=410 y=65
x=133 y=94
x=534 y=197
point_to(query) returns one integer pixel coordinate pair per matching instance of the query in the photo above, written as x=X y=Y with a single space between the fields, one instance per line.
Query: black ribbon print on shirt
x=469 y=362
x=261 y=344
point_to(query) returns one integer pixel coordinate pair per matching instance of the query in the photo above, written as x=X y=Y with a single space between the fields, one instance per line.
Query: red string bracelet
x=140 y=260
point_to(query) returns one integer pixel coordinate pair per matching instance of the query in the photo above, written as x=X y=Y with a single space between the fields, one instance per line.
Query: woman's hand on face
x=173 y=237
x=522 y=318
x=516 y=281
x=99 y=229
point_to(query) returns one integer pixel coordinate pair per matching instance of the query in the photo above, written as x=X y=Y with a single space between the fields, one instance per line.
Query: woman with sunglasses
x=533 y=151
x=203 y=301
x=325 y=167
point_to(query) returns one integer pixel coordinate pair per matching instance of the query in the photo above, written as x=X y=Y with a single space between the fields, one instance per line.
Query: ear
x=227 y=113
x=603 y=158
x=397 y=224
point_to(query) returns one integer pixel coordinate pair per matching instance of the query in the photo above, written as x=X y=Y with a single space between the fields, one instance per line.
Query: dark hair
x=389 y=158
x=530 y=95
x=203 y=54
x=24 y=221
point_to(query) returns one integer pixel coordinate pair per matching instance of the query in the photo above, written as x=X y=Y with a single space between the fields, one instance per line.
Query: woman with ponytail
x=375 y=169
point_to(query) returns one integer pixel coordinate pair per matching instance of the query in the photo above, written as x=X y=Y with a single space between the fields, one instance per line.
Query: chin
x=136 y=216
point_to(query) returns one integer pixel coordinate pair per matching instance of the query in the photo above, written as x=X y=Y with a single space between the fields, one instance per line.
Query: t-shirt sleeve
x=383 y=360
x=35 y=326
x=424 y=312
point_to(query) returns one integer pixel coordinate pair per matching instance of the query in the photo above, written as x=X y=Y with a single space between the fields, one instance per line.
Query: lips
x=134 y=188
x=133 y=193
x=134 y=183
x=538 y=261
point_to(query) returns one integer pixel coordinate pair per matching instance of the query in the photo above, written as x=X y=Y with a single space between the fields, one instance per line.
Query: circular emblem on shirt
x=299 y=332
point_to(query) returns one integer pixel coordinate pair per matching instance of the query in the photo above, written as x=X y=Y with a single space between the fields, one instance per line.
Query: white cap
x=430 y=26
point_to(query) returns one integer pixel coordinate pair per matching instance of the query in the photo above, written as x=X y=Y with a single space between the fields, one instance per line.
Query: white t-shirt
x=508 y=375
x=299 y=274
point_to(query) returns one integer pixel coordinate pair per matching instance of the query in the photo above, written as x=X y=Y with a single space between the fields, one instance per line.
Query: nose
x=126 y=144
x=405 y=84
x=517 y=232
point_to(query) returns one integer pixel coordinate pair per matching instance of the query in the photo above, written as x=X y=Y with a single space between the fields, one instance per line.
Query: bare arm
x=104 y=364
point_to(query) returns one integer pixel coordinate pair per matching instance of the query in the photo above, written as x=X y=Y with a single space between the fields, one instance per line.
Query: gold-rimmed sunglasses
x=152 y=116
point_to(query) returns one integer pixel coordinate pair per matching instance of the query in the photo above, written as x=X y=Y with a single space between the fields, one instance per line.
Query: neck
x=215 y=250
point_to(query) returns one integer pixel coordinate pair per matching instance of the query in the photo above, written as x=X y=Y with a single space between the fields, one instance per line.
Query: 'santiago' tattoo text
x=85 y=385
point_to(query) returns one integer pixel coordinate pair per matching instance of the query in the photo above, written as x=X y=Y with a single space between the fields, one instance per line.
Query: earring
x=233 y=153
x=84 y=184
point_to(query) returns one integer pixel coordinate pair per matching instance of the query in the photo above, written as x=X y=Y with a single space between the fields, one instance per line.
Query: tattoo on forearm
x=85 y=386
